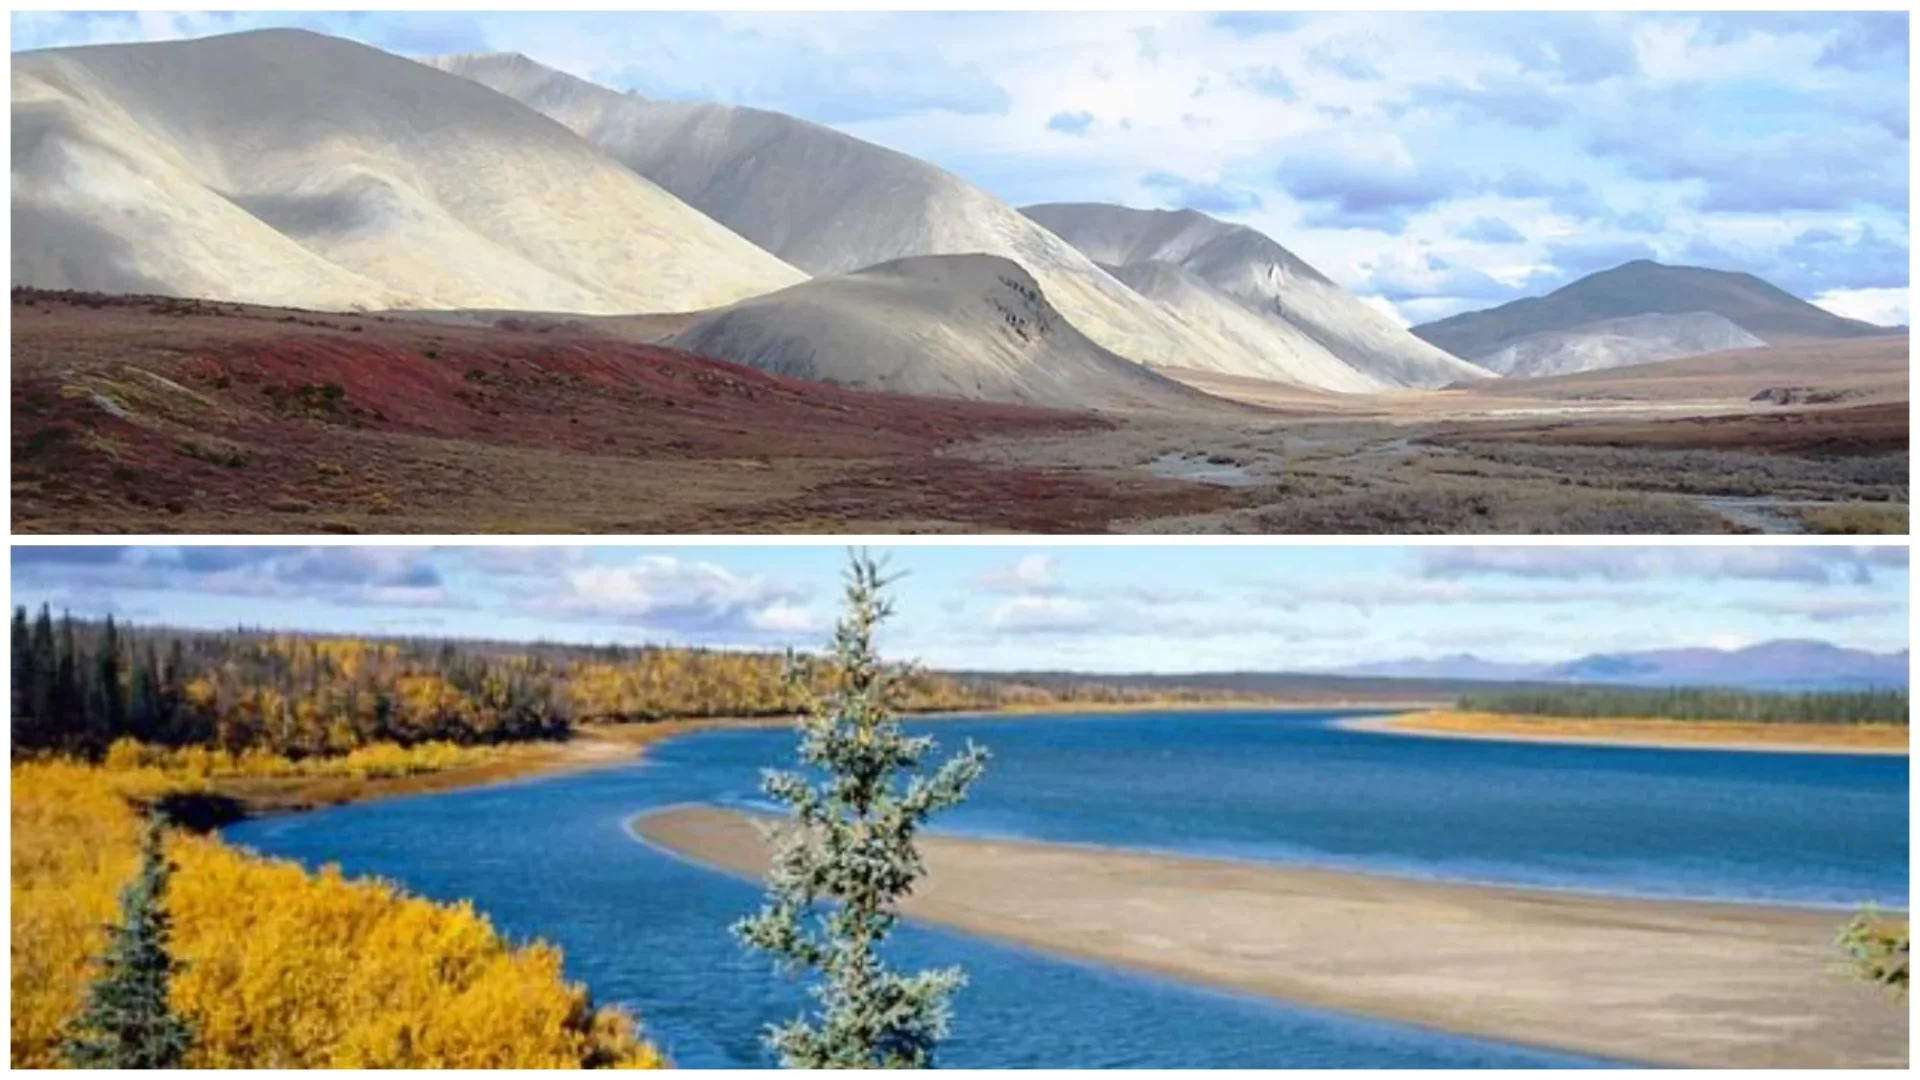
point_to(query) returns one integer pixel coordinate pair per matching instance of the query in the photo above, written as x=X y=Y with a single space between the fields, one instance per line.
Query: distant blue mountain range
x=1772 y=665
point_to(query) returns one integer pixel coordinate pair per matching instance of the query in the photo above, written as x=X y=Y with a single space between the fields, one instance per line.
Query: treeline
x=79 y=686
x=1684 y=703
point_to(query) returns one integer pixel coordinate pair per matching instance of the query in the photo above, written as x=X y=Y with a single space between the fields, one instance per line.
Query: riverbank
x=1653 y=733
x=1660 y=982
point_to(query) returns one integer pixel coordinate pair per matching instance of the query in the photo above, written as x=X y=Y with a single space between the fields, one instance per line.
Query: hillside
x=1281 y=354
x=1616 y=343
x=285 y=167
x=1300 y=321
x=830 y=203
x=967 y=326
x=1769 y=313
x=1854 y=370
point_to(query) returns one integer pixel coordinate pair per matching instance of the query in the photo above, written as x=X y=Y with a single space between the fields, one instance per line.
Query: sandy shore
x=1655 y=982
x=1657 y=734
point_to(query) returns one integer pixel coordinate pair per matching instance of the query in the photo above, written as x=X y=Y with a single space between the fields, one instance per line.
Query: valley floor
x=1661 y=982
x=144 y=414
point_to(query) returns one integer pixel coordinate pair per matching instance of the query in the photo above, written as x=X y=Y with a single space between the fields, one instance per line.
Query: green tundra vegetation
x=1878 y=948
x=1882 y=706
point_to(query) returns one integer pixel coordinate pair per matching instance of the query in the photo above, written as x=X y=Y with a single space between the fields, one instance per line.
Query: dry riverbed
x=1657 y=982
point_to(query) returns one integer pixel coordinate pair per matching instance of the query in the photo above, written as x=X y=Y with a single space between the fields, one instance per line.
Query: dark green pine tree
x=68 y=715
x=106 y=694
x=24 y=735
x=146 y=714
x=179 y=725
x=847 y=858
x=127 y=1021
x=40 y=694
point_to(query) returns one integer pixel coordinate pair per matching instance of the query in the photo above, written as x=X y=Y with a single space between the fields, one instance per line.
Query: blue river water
x=552 y=858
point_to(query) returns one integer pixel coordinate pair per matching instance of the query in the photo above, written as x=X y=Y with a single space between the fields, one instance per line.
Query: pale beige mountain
x=1241 y=282
x=1615 y=343
x=970 y=326
x=286 y=167
x=829 y=203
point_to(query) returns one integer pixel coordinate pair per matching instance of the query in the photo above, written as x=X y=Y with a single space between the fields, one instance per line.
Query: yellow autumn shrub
x=283 y=968
x=374 y=761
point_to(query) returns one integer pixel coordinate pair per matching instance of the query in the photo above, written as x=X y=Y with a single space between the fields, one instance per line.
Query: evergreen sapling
x=127 y=1021
x=846 y=857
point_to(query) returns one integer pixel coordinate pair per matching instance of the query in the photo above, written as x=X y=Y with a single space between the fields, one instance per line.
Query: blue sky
x=1094 y=608
x=1430 y=162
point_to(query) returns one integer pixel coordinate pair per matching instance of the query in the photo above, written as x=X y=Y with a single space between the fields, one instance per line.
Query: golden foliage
x=376 y=761
x=284 y=969
x=263 y=699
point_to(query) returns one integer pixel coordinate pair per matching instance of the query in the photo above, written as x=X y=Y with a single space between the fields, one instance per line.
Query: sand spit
x=1653 y=734
x=1660 y=982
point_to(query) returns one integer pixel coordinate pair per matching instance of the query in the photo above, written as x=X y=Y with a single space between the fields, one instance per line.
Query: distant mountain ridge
x=1644 y=287
x=1618 y=343
x=1773 y=665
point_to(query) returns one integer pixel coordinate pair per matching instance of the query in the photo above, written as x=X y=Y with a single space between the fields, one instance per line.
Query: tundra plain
x=150 y=414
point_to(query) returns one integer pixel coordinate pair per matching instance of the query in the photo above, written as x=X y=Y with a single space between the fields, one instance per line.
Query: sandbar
x=1768 y=737
x=1656 y=982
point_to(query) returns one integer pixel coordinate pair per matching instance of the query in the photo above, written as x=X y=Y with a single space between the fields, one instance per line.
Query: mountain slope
x=1280 y=352
x=970 y=326
x=829 y=203
x=1774 y=315
x=1772 y=665
x=1310 y=324
x=1615 y=343
x=288 y=167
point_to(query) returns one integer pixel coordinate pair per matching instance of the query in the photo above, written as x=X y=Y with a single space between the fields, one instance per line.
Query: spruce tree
x=25 y=737
x=846 y=857
x=69 y=712
x=127 y=1022
x=146 y=715
x=106 y=694
x=40 y=692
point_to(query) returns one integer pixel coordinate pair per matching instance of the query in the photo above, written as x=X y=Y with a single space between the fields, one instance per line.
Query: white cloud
x=668 y=592
x=1368 y=593
x=1036 y=573
x=1825 y=607
x=785 y=618
x=1042 y=614
x=1810 y=565
x=1882 y=307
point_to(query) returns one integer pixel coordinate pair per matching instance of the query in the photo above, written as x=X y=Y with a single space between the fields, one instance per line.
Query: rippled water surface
x=552 y=858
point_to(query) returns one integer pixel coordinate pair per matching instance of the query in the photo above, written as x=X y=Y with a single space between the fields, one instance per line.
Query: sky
x=1430 y=162
x=1176 y=608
